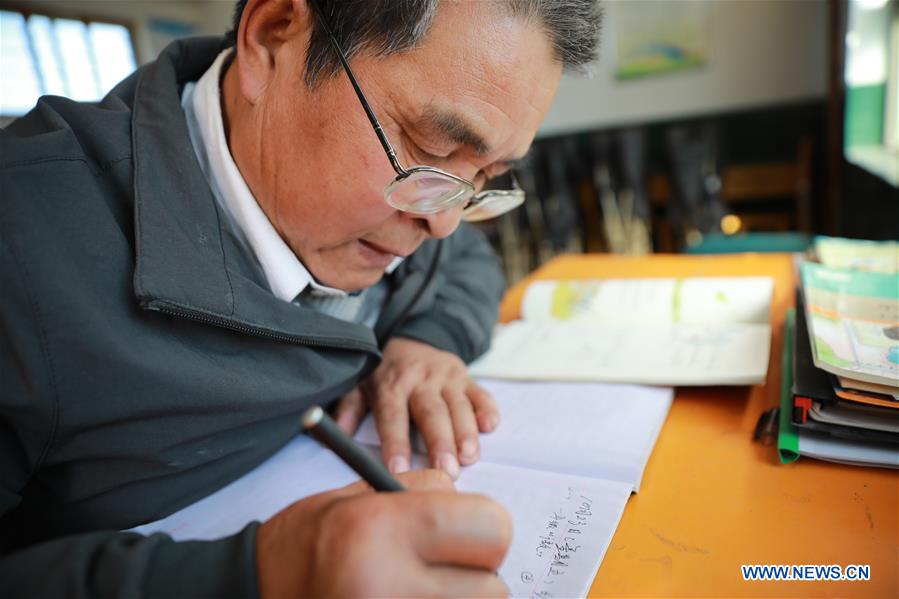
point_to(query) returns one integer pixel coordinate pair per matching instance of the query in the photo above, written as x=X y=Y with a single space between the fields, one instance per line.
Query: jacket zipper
x=164 y=308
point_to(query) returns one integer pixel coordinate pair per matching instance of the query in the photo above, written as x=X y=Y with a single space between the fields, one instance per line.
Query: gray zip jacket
x=144 y=361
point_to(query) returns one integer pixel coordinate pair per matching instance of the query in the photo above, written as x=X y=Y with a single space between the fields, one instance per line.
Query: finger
x=392 y=419
x=351 y=490
x=432 y=417
x=449 y=581
x=485 y=408
x=426 y=480
x=460 y=529
x=415 y=480
x=350 y=411
x=464 y=425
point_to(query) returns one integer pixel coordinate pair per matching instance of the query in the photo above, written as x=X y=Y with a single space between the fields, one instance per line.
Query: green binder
x=787 y=438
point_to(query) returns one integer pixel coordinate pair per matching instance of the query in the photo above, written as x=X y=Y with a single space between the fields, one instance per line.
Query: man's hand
x=428 y=541
x=433 y=387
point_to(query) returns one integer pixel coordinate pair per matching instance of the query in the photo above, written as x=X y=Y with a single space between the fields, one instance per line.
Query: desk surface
x=712 y=499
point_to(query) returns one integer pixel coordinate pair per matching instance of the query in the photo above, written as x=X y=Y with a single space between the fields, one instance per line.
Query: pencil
x=322 y=427
x=317 y=423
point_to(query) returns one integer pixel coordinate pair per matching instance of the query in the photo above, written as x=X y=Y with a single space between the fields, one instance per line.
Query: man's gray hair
x=383 y=27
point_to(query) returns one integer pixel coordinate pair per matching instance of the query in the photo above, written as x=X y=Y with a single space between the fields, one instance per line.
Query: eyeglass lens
x=426 y=192
x=493 y=204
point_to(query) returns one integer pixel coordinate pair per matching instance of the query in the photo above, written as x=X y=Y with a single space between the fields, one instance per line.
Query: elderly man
x=238 y=231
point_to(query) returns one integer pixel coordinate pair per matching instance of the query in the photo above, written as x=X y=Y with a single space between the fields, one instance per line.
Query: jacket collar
x=186 y=260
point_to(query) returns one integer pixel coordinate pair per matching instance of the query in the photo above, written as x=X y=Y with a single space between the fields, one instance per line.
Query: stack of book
x=841 y=357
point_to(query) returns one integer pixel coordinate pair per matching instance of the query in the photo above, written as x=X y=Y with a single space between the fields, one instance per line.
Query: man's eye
x=417 y=156
x=428 y=156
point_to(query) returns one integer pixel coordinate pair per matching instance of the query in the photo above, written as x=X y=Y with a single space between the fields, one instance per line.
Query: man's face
x=468 y=100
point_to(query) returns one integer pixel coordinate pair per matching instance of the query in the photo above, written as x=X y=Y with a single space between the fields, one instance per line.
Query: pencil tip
x=312 y=416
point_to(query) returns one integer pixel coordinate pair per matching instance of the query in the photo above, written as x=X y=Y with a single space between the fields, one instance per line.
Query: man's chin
x=352 y=280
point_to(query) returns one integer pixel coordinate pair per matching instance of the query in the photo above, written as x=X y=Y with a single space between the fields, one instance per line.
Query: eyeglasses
x=427 y=189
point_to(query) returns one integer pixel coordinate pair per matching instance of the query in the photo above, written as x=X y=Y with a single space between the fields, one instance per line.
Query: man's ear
x=267 y=29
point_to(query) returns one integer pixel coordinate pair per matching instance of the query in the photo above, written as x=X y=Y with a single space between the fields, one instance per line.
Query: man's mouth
x=392 y=252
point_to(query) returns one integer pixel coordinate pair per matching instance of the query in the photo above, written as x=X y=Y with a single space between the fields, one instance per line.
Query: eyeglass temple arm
x=515 y=183
x=385 y=143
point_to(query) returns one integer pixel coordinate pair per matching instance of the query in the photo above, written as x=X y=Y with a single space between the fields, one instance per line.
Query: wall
x=760 y=52
x=218 y=15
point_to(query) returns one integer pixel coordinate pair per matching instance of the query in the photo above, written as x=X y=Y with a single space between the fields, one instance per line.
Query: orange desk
x=712 y=499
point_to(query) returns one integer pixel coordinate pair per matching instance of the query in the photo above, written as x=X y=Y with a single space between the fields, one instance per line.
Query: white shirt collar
x=286 y=275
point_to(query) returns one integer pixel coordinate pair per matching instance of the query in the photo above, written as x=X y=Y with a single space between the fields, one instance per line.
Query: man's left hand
x=433 y=387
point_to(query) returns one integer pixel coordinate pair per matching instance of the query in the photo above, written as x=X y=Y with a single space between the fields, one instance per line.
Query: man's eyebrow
x=454 y=128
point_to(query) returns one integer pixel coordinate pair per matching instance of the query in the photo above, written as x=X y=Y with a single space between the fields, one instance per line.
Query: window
x=871 y=137
x=42 y=55
x=891 y=131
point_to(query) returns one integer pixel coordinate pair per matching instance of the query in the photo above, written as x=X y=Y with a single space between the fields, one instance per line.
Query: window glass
x=871 y=104
x=41 y=30
x=891 y=135
x=78 y=60
x=113 y=44
x=20 y=82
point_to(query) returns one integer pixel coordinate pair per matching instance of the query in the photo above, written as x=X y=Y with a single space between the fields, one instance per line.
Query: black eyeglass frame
x=515 y=195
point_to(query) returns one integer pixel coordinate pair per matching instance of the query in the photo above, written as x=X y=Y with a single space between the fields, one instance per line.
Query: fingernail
x=398 y=464
x=488 y=422
x=449 y=464
x=469 y=450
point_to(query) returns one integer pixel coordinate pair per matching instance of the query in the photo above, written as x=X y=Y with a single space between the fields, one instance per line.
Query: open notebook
x=692 y=331
x=564 y=461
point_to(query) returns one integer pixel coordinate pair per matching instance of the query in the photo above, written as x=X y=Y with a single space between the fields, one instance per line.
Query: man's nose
x=443 y=223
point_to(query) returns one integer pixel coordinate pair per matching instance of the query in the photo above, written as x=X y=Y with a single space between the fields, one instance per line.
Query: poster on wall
x=660 y=37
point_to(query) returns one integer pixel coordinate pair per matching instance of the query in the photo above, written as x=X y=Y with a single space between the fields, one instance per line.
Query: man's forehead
x=486 y=79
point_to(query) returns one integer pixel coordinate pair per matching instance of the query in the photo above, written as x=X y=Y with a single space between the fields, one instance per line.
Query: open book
x=694 y=331
x=564 y=461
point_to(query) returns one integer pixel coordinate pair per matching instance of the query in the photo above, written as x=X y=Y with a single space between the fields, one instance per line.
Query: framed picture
x=660 y=37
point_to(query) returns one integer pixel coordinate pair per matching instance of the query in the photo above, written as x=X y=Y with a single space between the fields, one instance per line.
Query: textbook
x=563 y=461
x=817 y=407
x=853 y=323
x=666 y=331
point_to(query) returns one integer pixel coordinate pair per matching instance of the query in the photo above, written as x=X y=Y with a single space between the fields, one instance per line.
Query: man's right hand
x=428 y=541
